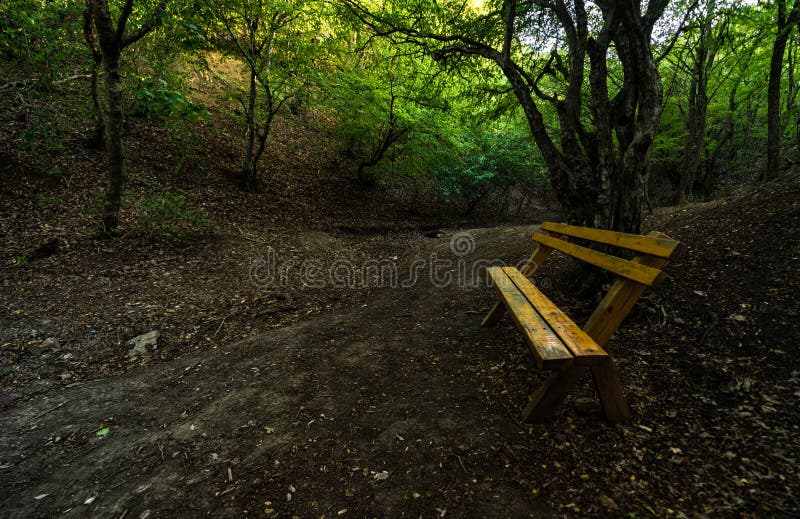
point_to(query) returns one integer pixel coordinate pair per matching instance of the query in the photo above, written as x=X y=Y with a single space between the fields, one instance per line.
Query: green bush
x=170 y=213
x=42 y=36
x=488 y=163
x=158 y=99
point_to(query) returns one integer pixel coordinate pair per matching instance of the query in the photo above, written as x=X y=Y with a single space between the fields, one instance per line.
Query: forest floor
x=288 y=398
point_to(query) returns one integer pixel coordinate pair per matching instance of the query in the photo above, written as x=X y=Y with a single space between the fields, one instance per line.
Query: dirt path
x=328 y=407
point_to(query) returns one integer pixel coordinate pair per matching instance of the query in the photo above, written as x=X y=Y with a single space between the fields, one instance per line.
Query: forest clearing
x=245 y=245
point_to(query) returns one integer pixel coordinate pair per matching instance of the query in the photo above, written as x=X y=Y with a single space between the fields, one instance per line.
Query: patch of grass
x=170 y=212
x=49 y=200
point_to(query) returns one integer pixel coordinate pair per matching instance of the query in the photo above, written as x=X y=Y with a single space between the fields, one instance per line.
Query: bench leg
x=609 y=387
x=495 y=314
x=558 y=385
x=552 y=393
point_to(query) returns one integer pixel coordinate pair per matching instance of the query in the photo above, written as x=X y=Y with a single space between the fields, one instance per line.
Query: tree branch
x=146 y=27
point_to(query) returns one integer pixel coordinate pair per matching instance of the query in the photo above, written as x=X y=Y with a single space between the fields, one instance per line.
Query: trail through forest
x=241 y=240
x=399 y=404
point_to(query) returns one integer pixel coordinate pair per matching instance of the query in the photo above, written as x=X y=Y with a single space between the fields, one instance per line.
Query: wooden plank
x=536 y=260
x=628 y=269
x=585 y=350
x=548 y=349
x=662 y=246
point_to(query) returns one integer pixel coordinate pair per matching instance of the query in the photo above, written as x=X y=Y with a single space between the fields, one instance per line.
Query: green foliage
x=452 y=125
x=171 y=213
x=740 y=44
x=158 y=99
x=20 y=260
x=45 y=133
x=41 y=37
x=162 y=211
x=168 y=211
x=491 y=161
x=436 y=127
x=49 y=200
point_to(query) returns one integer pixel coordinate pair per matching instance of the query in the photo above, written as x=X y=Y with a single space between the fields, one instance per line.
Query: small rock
x=585 y=405
x=49 y=344
x=139 y=345
x=67 y=375
x=139 y=349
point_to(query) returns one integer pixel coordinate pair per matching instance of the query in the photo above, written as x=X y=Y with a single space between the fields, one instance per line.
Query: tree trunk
x=111 y=41
x=774 y=135
x=696 y=118
x=791 y=94
x=115 y=152
x=250 y=167
x=691 y=148
x=97 y=139
x=573 y=183
x=636 y=117
x=361 y=174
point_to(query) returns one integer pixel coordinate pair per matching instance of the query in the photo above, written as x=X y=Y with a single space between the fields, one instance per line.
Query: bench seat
x=553 y=338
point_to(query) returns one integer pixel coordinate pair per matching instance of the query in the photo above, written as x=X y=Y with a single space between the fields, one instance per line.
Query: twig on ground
x=222 y=323
x=53 y=409
x=461 y=463
x=246 y=237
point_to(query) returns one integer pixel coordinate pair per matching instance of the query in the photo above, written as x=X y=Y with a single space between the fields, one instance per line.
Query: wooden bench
x=558 y=344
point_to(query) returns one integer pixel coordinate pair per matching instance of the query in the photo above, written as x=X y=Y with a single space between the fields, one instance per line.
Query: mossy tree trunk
x=107 y=39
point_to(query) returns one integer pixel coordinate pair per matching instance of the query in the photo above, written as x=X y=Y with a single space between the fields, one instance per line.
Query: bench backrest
x=633 y=275
x=628 y=269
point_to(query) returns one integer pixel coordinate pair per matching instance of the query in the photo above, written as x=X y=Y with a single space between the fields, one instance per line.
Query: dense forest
x=247 y=248
x=615 y=107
